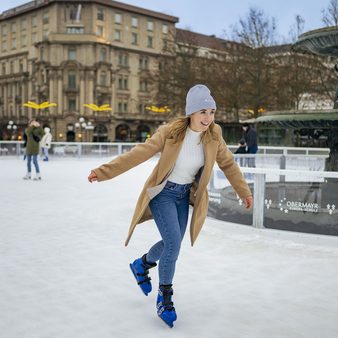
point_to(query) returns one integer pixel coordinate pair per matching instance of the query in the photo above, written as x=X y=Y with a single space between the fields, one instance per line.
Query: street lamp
x=12 y=127
x=82 y=125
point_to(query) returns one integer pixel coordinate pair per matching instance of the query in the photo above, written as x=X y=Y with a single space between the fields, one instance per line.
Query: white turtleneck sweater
x=189 y=160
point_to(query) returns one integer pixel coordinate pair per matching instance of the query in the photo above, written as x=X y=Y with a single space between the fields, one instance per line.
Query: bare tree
x=330 y=14
x=181 y=67
x=297 y=28
x=257 y=31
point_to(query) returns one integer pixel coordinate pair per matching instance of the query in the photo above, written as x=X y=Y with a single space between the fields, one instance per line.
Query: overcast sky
x=215 y=16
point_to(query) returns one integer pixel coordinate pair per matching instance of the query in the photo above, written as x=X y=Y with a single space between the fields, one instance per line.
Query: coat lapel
x=210 y=150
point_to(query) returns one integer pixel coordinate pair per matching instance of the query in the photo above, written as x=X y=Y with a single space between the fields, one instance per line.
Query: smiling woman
x=189 y=148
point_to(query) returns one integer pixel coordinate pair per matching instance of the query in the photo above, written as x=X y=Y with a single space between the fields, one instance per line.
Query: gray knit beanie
x=199 y=98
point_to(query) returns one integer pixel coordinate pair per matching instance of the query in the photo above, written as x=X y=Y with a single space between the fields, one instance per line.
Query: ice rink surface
x=64 y=268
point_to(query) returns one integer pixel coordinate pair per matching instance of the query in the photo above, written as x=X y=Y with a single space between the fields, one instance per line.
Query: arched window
x=143 y=132
x=100 y=133
x=122 y=133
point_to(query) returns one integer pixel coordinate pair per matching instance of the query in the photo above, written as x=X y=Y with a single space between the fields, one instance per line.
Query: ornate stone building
x=77 y=52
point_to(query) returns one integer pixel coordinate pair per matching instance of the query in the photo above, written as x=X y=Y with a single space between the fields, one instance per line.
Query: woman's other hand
x=248 y=201
x=92 y=177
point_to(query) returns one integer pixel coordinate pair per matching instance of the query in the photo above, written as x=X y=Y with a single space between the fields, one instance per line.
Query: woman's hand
x=92 y=177
x=248 y=201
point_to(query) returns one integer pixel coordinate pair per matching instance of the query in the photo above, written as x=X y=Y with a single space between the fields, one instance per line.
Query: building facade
x=79 y=52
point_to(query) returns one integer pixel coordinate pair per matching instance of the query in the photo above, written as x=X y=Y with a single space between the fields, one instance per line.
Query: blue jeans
x=35 y=162
x=170 y=209
x=45 y=152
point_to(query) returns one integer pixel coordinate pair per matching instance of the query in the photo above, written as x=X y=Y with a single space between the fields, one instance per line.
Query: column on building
x=83 y=94
x=5 y=98
x=51 y=87
x=23 y=93
x=91 y=80
x=59 y=93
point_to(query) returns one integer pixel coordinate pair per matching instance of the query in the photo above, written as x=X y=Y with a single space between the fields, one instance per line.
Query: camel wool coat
x=215 y=150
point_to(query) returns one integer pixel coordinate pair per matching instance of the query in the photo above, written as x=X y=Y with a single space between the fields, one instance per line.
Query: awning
x=311 y=119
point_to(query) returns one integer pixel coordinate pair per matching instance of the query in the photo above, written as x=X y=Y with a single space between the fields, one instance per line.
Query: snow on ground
x=64 y=268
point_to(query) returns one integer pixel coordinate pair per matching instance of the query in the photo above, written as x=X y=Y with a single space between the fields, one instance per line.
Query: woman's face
x=201 y=120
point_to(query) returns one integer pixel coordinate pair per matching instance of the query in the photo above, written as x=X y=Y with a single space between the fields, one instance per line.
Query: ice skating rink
x=64 y=269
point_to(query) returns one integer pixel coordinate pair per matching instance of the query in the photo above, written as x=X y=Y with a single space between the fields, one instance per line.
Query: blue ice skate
x=165 y=307
x=140 y=269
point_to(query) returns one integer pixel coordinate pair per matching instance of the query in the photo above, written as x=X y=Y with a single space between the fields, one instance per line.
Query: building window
x=150 y=25
x=134 y=22
x=45 y=34
x=3 y=69
x=118 y=18
x=99 y=30
x=71 y=104
x=100 y=14
x=122 y=107
x=143 y=62
x=71 y=79
x=4 y=46
x=123 y=60
x=21 y=66
x=117 y=35
x=3 y=30
x=165 y=28
x=13 y=27
x=150 y=42
x=34 y=21
x=142 y=108
x=23 y=41
x=75 y=30
x=123 y=83
x=72 y=13
x=143 y=86
x=34 y=37
x=103 y=79
x=72 y=53
x=23 y=24
x=11 y=67
x=103 y=54
x=13 y=43
x=134 y=38
x=45 y=18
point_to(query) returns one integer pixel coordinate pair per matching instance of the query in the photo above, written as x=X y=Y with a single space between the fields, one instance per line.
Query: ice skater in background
x=189 y=148
x=34 y=134
x=45 y=143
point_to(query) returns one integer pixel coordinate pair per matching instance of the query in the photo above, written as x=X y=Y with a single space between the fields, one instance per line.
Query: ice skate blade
x=132 y=270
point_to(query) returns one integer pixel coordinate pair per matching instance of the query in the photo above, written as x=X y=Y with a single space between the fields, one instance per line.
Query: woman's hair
x=179 y=126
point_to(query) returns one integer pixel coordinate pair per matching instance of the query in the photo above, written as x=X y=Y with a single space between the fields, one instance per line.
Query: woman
x=189 y=147
x=33 y=134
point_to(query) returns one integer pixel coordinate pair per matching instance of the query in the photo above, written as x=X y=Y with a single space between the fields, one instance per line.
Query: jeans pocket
x=170 y=185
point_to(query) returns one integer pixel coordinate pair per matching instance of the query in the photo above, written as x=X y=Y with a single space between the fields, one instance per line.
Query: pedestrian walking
x=34 y=134
x=189 y=147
